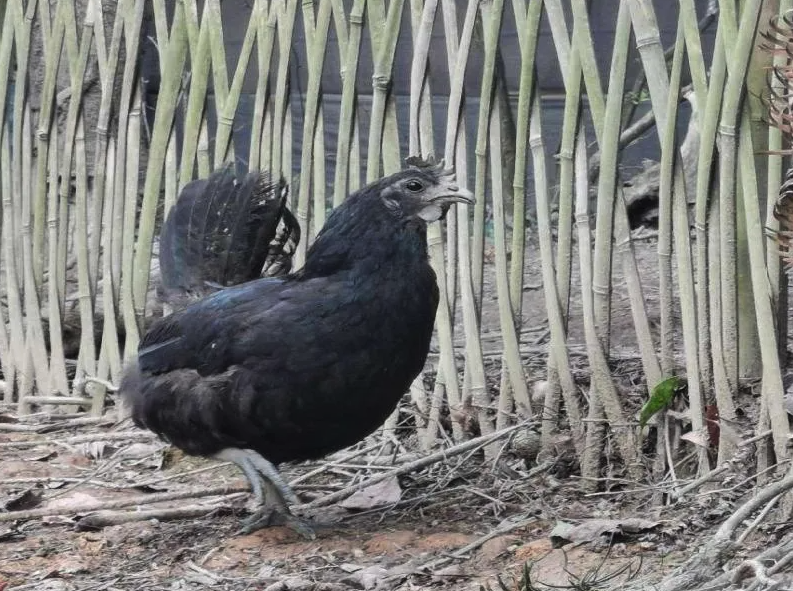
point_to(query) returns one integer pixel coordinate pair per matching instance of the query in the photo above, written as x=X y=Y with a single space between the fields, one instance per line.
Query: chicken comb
x=430 y=165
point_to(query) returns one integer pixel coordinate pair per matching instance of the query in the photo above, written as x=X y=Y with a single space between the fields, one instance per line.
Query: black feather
x=221 y=232
x=299 y=366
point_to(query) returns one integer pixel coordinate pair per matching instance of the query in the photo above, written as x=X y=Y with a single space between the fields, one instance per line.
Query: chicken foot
x=271 y=492
x=275 y=511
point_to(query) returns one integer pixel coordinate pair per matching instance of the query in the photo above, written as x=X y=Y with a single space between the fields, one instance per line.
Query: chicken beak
x=438 y=202
x=450 y=193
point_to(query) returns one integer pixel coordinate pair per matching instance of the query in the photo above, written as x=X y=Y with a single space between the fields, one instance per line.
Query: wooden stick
x=102 y=519
x=124 y=502
x=118 y=436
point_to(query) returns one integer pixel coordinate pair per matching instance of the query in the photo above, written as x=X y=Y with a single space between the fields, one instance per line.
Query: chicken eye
x=415 y=186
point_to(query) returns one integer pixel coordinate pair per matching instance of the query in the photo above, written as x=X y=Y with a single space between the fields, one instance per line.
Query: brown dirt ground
x=391 y=545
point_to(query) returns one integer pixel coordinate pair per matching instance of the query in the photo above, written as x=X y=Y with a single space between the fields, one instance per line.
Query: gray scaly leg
x=270 y=490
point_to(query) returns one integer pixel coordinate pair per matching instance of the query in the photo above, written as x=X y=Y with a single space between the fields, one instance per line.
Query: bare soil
x=406 y=545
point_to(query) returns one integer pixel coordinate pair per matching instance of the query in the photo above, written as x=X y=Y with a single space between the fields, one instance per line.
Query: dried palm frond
x=779 y=41
x=783 y=211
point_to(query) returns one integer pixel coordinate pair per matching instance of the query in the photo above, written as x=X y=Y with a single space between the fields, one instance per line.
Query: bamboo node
x=700 y=227
x=643 y=42
x=566 y=153
x=356 y=18
x=227 y=121
x=536 y=142
x=725 y=129
x=600 y=289
x=380 y=82
x=43 y=135
x=582 y=218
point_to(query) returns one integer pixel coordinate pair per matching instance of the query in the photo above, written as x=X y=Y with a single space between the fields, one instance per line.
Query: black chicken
x=221 y=232
x=295 y=368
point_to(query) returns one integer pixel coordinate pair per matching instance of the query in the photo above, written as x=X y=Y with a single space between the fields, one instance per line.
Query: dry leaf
x=594 y=530
x=29 y=499
x=381 y=494
x=698 y=437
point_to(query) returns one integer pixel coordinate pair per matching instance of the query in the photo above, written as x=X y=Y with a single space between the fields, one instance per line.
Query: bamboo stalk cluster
x=78 y=237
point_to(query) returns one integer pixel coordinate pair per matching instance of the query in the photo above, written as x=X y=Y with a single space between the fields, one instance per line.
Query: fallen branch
x=124 y=502
x=695 y=484
x=118 y=436
x=434 y=458
x=761 y=498
x=102 y=519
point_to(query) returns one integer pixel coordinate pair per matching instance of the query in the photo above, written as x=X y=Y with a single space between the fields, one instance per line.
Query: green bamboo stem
x=707 y=224
x=674 y=195
x=607 y=179
x=707 y=121
x=423 y=19
x=35 y=366
x=555 y=316
x=528 y=49
x=727 y=203
x=455 y=150
x=6 y=45
x=773 y=390
x=200 y=63
x=109 y=352
x=622 y=230
x=12 y=291
x=421 y=143
x=553 y=391
x=492 y=14
x=654 y=62
x=601 y=376
x=528 y=26
x=317 y=43
x=509 y=332
x=738 y=53
x=286 y=24
x=35 y=369
x=379 y=143
x=226 y=109
x=169 y=89
x=53 y=59
x=345 y=172
x=220 y=77
x=265 y=41
x=665 y=200
x=55 y=299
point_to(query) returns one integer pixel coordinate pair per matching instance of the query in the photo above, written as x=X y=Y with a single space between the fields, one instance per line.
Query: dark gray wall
x=602 y=16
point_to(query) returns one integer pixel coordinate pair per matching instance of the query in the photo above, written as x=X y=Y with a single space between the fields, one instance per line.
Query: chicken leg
x=271 y=492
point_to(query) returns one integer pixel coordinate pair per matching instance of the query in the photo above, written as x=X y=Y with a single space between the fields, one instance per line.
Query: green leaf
x=662 y=396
